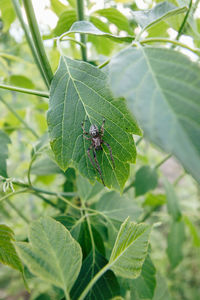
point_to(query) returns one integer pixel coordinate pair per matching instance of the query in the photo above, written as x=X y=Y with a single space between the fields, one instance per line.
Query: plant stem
x=162 y=161
x=45 y=200
x=105 y=63
x=19 y=118
x=80 y=17
x=139 y=140
x=29 y=40
x=23 y=90
x=13 y=194
x=42 y=191
x=165 y=40
x=93 y=281
x=179 y=178
x=17 y=211
x=37 y=40
x=89 y=227
x=184 y=21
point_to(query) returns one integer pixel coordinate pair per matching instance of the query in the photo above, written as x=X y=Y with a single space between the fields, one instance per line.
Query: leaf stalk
x=80 y=17
x=24 y=90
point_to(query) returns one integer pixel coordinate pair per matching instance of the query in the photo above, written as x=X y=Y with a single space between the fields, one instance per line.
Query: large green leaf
x=79 y=92
x=130 y=249
x=117 y=207
x=145 y=284
x=52 y=253
x=114 y=16
x=161 y=11
x=4 y=141
x=8 y=255
x=89 y=28
x=176 y=240
x=105 y=288
x=162 y=87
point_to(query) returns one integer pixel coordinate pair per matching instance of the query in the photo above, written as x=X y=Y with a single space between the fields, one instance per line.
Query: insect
x=96 y=138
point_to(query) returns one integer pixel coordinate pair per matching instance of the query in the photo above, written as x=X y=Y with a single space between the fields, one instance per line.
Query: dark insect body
x=96 y=138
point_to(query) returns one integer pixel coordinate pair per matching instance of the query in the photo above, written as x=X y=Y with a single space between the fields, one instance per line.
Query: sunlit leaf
x=161 y=11
x=65 y=21
x=7 y=14
x=193 y=231
x=130 y=249
x=79 y=92
x=52 y=254
x=114 y=16
x=162 y=87
x=89 y=28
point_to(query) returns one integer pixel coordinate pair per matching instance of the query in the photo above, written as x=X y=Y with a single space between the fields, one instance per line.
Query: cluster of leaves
x=88 y=242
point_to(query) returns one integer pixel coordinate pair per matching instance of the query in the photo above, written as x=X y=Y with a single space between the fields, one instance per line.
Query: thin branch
x=24 y=90
x=29 y=40
x=165 y=40
x=184 y=21
x=9 y=107
x=19 y=212
x=37 y=40
x=80 y=17
x=163 y=161
x=13 y=194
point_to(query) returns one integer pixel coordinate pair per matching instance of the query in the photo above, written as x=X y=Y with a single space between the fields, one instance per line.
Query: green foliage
x=146 y=179
x=8 y=255
x=74 y=95
x=159 y=13
x=106 y=288
x=166 y=107
x=62 y=264
x=130 y=249
x=4 y=141
x=86 y=241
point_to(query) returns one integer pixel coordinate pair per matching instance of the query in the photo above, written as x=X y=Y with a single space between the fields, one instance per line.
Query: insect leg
x=90 y=158
x=102 y=127
x=110 y=150
x=98 y=166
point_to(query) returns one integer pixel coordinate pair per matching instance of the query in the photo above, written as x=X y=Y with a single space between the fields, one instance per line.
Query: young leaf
x=162 y=87
x=193 y=231
x=8 y=255
x=52 y=253
x=89 y=28
x=176 y=240
x=161 y=11
x=7 y=14
x=172 y=201
x=105 y=288
x=4 y=141
x=154 y=200
x=146 y=179
x=118 y=207
x=130 y=249
x=79 y=92
x=145 y=284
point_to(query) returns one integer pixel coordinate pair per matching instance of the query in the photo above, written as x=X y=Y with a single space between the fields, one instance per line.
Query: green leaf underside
x=79 y=92
x=162 y=87
x=130 y=249
x=52 y=253
x=145 y=284
x=89 y=28
x=8 y=255
x=4 y=141
x=118 y=207
x=161 y=11
x=105 y=288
